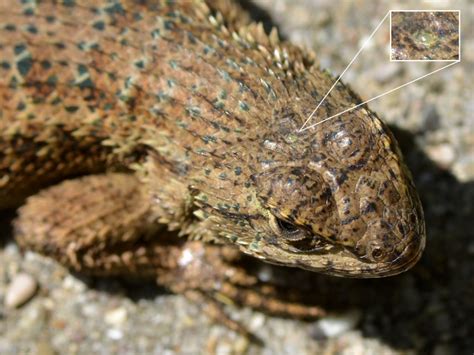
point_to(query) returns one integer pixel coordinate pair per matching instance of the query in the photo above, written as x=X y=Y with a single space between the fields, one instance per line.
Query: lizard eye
x=296 y=239
x=288 y=230
x=286 y=227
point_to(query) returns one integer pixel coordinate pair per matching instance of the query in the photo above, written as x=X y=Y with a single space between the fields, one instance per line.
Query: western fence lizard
x=199 y=110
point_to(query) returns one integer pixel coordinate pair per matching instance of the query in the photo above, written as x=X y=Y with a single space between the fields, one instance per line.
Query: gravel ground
x=428 y=310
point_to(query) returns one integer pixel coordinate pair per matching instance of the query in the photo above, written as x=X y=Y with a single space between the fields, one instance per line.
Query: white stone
x=338 y=324
x=443 y=154
x=186 y=257
x=116 y=316
x=257 y=321
x=115 y=334
x=73 y=284
x=22 y=287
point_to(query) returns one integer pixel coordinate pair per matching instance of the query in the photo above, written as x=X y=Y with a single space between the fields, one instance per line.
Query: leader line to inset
x=340 y=76
x=378 y=96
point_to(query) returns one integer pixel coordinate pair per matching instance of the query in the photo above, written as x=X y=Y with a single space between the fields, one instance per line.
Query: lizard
x=185 y=116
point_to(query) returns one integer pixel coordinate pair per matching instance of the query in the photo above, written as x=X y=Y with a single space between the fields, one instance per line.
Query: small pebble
x=443 y=154
x=116 y=316
x=115 y=334
x=73 y=284
x=265 y=273
x=21 y=289
x=335 y=325
x=224 y=346
x=257 y=321
x=463 y=168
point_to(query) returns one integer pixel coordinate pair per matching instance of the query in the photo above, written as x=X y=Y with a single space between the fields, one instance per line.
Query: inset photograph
x=425 y=35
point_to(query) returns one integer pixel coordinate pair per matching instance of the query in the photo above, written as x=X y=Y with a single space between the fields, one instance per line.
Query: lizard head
x=344 y=202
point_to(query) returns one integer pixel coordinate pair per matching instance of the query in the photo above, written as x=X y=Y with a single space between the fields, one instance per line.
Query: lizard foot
x=210 y=275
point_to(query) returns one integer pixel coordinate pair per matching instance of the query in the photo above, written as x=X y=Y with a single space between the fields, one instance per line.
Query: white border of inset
x=425 y=60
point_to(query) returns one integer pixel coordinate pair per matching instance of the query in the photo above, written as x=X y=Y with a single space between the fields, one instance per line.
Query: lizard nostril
x=377 y=253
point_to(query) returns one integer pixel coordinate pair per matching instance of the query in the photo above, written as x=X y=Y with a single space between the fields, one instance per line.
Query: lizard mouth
x=308 y=244
x=314 y=253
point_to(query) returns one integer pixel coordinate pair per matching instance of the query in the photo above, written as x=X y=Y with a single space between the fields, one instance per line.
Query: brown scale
x=203 y=115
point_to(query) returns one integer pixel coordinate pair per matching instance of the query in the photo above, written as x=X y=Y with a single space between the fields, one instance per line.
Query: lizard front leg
x=105 y=225
x=96 y=224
